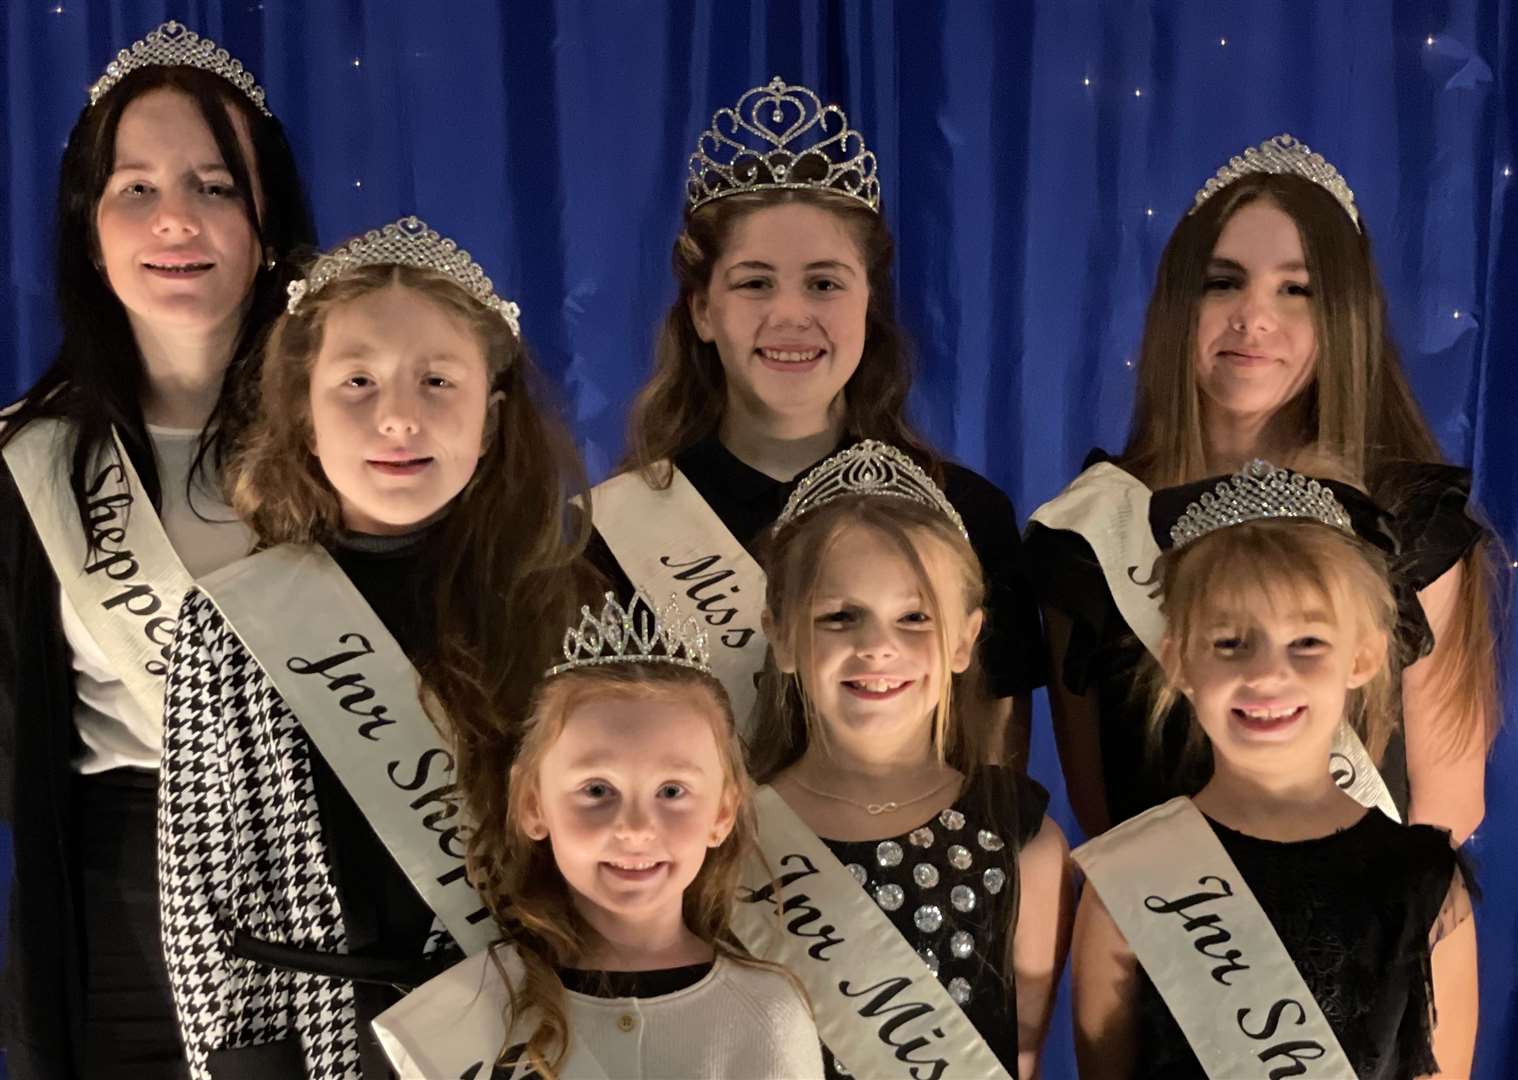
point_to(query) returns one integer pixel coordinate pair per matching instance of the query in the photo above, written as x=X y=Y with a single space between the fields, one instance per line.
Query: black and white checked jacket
x=244 y=869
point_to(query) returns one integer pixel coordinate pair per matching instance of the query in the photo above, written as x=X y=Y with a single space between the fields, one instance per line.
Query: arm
x=1010 y=720
x=1446 y=774
x=1104 y=985
x=1456 y=1007
x=1040 y=938
x=1077 y=733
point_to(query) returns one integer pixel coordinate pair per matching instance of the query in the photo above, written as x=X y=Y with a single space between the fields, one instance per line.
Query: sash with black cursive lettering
x=356 y=695
x=455 y=1026
x=1210 y=950
x=1109 y=508
x=128 y=591
x=671 y=541
x=879 y=1009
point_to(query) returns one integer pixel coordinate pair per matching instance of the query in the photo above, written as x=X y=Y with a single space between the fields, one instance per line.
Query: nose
x=1255 y=311
x=634 y=825
x=399 y=411
x=875 y=642
x=790 y=308
x=1266 y=667
x=174 y=217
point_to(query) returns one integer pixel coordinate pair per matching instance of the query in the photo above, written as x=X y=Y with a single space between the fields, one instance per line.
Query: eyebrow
x=1295 y=266
x=820 y=264
x=139 y=166
x=596 y=760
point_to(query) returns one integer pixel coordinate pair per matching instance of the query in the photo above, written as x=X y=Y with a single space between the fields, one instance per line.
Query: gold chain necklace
x=873 y=809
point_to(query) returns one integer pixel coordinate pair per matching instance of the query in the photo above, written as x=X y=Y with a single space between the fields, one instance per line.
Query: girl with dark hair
x=781 y=346
x=409 y=494
x=1267 y=336
x=178 y=207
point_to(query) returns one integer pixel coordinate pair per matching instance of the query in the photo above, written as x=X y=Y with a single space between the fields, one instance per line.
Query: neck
x=1270 y=799
x=1232 y=439
x=183 y=372
x=850 y=767
x=780 y=445
x=619 y=942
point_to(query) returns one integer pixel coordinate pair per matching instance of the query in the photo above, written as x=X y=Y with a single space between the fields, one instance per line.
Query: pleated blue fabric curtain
x=1034 y=157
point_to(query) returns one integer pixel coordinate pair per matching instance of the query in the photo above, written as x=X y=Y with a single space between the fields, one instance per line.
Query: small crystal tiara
x=868 y=468
x=1258 y=491
x=1282 y=155
x=407 y=242
x=172 y=45
x=640 y=633
x=780 y=136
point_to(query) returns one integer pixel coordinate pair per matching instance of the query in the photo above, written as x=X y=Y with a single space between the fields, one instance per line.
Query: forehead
x=398 y=320
x=862 y=561
x=791 y=234
x=638 y=730
x=1285 y=600
x=1259 y=233
x=164 y=126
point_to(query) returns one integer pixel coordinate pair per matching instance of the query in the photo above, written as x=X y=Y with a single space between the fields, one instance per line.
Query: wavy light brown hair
x=508 y=561
x=521 y=884
x=683 y=401
x=1357 y=407
x=1268 y=564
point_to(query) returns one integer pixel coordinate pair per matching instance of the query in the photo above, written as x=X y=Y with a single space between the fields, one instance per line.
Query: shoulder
x=768 y=991
x=977 y=499
x=1429 y=503
x=780 y=1027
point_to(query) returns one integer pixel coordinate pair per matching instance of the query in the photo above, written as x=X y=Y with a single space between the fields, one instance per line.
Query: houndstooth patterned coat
x=241 y=848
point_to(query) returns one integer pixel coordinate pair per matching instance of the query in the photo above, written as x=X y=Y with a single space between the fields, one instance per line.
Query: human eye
x=1309 y=643
x=1226 y=644
x=596 y=790
x=835 y=617
x=219 y=190
x=136 y=189
x=438 y=382
x=752 y=284
x=1297 y=288
x=826 y=284
x=671 y=790
x=917 y=618
x=1220 y=283
x=358 y=382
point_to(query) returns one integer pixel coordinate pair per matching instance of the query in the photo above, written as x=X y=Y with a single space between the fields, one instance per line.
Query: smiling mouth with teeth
x=786 y=356
x=179 y=268
x=1269 y=718
x=629 y=864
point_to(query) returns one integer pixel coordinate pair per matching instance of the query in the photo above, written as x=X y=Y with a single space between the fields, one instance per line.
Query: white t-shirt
x=115 y=731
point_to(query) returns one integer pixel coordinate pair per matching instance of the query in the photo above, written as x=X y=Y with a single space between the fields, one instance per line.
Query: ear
x=700 y=316
x=533 y=823
x=1170 y=662
x=492 y=420
x=1369 y=659
x=964 y=649
x=727 y=817
x=785 y=653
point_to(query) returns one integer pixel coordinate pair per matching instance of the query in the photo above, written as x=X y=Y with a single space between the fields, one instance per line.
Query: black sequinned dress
x=1354 y=910
x=949 y=886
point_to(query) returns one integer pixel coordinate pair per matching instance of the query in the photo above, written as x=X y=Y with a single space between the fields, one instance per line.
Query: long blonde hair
x=1262 y=562
x=1357 y=407
x=521 y=884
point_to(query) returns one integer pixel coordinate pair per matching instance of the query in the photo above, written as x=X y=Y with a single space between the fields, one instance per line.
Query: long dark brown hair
x=1357 y=408
x=683 y=401
x=96 y=380
x=521 y=884
x=509 y=571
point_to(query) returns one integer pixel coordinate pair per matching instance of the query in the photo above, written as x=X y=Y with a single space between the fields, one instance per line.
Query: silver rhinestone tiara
x=781 y=136
x=640 y=633
x=1258 y=491
x=407 y=242
x=868 y=468
x=173 y=45
x=1282 y=156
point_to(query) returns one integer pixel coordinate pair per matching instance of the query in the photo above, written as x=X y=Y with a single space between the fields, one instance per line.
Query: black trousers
x=130 y=1028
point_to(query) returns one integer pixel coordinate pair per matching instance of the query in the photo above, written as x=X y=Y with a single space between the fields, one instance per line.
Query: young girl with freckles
x=866 y=734
x=611 y=878
x=781 y=348
x=1271 y=921
x=1267 y=337
x=179 y=205
x=408 y=493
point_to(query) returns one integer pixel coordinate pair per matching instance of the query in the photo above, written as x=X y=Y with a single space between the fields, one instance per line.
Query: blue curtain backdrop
x=1034 y=157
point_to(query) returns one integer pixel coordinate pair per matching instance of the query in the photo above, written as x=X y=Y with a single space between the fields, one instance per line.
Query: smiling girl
x=408 y=495
x=178 y=207
x=782 y=347
x=933 y=866
x=1266 y=336
x=1272 y=920
x=612 y=878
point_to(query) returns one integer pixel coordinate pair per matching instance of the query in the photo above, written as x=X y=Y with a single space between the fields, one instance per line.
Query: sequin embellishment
x=928 y=918
x=889 y=897
x=959 y=857
x=922 y=837
x=989 y=840
x=994 y=879
x=959 y=990
x=963 y=898
x=925 y=874
x=861 y=875
x=888 y=853
x=951 y=819
x=962 y=944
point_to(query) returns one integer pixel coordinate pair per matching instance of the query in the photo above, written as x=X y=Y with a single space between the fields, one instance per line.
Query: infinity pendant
x=876 y=808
